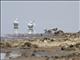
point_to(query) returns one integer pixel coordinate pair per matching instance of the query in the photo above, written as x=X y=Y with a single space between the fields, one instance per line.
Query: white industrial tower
x=16 y=26
x=30 y=27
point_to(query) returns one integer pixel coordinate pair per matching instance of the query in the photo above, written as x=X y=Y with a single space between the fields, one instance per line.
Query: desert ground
x=61 y=46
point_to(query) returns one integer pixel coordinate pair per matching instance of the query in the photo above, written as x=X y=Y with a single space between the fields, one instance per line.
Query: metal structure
x=16 y=26
x=30 y=27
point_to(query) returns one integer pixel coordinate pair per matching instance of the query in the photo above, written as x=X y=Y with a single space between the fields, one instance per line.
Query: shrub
x=1 y=45
x=71 y=46
x=77 y=45
x=35 y=46
x=62 y=48
x=28 y=44
x=52 y=40
x=8 y=44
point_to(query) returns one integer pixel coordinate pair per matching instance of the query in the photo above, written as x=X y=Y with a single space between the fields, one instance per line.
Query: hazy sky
x=61 y=14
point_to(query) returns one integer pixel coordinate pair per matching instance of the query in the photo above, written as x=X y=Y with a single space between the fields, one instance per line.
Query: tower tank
x=16 y=26
x=30 y=28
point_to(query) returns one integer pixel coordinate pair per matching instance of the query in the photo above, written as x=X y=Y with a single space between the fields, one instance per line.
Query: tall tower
x=30 y=27
x=16 y=26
